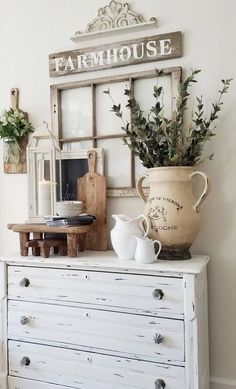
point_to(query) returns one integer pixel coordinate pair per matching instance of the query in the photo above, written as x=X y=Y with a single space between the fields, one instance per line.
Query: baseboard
x=222 y=383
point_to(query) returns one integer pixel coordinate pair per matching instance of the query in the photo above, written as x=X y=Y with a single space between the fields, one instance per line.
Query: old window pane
x=76 y=112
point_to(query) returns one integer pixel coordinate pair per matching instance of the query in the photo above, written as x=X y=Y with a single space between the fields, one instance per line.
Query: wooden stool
x=75 y=237
x=44 y=245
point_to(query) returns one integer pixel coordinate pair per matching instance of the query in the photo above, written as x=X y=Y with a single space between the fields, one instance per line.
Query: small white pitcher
x=145 y=250
x=124 y=232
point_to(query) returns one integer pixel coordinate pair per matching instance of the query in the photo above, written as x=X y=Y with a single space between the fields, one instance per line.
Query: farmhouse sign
x=152 y=48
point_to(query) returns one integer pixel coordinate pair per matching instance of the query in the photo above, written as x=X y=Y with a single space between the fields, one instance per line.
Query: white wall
x=31 y=29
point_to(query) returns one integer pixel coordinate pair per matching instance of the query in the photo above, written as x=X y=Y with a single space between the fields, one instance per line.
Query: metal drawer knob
x=158 y=294
x=25 y=361
x=160 y=384
x=24 y=282
x=158 y=338
x=24 y=320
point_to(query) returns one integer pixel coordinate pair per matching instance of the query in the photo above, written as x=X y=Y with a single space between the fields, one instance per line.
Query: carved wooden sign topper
x=115 y=17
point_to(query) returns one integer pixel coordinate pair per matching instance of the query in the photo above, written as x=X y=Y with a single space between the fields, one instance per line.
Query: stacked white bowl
x=69 y=208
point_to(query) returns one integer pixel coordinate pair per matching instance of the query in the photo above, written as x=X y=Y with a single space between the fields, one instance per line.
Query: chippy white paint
x=101 y=322
x=3 y=326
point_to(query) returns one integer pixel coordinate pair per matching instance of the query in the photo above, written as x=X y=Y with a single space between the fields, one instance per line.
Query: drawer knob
x=24 y=320
x=24 y=282
x=25 y=361
x=158 y=294
x=160 y=384
x=158 y=338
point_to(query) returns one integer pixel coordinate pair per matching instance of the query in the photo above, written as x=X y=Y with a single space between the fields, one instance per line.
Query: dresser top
x=108 y=261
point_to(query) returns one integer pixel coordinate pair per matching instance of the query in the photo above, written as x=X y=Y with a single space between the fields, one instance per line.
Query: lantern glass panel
x=44 y=174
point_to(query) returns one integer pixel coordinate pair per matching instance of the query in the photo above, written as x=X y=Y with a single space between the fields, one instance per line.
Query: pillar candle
x=44 y=198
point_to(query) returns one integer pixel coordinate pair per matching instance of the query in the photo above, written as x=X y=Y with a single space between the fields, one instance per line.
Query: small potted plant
x=171 y=149
x=14 y=128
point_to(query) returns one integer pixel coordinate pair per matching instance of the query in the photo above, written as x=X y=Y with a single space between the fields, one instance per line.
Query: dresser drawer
x=143 y=294
x=82 y=370
x=146 y=337
x=20 y=383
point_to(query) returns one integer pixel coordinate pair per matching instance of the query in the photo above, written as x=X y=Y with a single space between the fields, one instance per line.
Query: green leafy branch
x=159 y=141
x=13 y=125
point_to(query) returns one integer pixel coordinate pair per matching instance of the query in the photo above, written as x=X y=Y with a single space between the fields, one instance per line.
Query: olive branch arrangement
x=160 y=141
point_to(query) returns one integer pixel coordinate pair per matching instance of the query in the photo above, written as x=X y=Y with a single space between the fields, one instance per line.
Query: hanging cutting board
x=14 y=92
x=91 y=189
x=20 y=167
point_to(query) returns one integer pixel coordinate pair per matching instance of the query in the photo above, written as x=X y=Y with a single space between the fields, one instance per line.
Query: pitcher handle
x=140 y=188
x=205 y=190
x=159 y=249
x=148 y=224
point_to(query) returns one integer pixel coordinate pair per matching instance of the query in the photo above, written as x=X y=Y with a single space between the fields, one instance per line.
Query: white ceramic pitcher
x=123 y=234
x=145 y=250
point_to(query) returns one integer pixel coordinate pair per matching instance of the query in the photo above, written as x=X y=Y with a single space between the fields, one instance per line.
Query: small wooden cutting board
x=14 y=92
x=91 y=189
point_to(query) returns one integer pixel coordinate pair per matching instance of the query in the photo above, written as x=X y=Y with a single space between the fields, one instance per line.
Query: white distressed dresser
x=96 y=322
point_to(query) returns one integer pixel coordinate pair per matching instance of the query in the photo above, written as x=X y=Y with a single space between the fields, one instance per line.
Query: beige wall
x=31 y=29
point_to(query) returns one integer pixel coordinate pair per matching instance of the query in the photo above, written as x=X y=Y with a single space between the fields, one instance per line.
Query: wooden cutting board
x=91 y=189
x=17 y=168
x=14 y=92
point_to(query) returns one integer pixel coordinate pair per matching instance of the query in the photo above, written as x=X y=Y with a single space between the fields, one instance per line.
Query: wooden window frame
x=56 y=89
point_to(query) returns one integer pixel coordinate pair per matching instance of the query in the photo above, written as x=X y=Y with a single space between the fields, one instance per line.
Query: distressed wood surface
x=107 y=261
x=114 y=15
x=202 y=330
x=115 y=78
x=131 y=292
x=73 y=234
x=83 y=370
x=130 y=52
x=98 y=331
x=42 y=246
x=66 y=324
x=21 y=167
x=91 y=189
x=196 y=331
x=27 y=228
x=20 y=383
x=3 y=326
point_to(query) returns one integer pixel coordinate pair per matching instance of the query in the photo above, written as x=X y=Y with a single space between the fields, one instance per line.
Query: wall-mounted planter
x=15 y=156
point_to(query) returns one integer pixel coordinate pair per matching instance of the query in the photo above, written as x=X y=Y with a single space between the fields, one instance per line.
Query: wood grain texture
x=87 y=329
x=3 y=326
x=20 y=383
x=129 y=52
x=91 y=189
x=21 y=167
x=24 y=238
x=130 y=293
x=98 y=331
x=27 y=227
x=107 y=261
x=73 y=233
x=196 y=330
x=84 y=370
